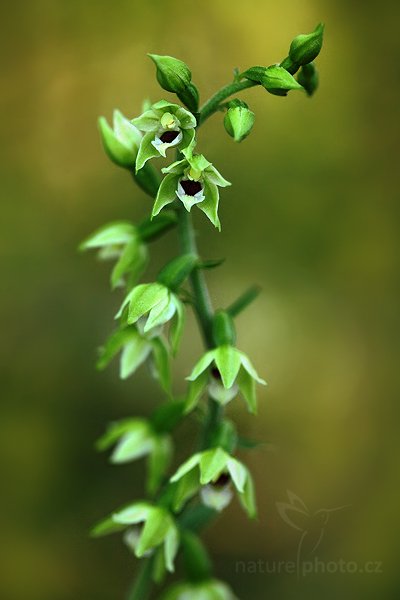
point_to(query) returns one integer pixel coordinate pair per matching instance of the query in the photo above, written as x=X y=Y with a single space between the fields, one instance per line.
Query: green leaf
x=248 y=498
x=202 y=365
x=146 y=151
x=134 y=353
x=166 y=193
x=111 y=234
x=212 y=463
x=158 y=462
x=228 y=363
x=209 y=205
x=247 y=387
x=161 y=362
x=177 y=326
x=143 y=298
x=155 y=528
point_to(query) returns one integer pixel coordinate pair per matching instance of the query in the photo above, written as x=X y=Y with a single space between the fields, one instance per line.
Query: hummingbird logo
x=311 y=525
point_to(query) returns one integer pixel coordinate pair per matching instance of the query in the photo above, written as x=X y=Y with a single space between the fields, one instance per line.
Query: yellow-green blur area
x=311 y=217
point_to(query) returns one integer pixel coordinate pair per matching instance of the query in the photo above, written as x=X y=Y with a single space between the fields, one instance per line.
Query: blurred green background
x=318 y=181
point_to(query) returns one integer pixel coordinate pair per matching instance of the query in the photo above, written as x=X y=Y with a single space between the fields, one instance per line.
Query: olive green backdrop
x=311 y=217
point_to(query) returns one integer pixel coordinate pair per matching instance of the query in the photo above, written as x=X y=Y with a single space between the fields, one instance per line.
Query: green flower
x=122 y=141
x=134 y=439
x=214 y=471
x=153 y=527
x=159 y=304
x=120 y=240
x=211 y=589
x=165 y=125
x=193 y=180
x=232 y=368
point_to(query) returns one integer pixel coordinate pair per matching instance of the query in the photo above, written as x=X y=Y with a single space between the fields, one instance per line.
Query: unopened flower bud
x=306 y=47
x=174 y=76
x=308 y=78
x=275 y=79
x=239 y=120
x=121 y=142
x=177 y=270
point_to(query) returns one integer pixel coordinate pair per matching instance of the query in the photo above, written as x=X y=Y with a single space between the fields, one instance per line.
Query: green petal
x=105 y=527
x=177 y=326
x=209 y=206
x=131 y=263
x=171 y=545
x=188 y=142
x=248 y=498
x=133 y=355
x=146 y=151
x=115 y=431
x=215 y=177
x=132 y=514
x=117 y=151
x=126 y=132
x=158 y=463
x=227 y=360
x=186 y=118
x=112 y=234
x=247 y=386
x=143 y=298
x=161 y=362
x=250 y=369
x=148 y=121
x=114 y=344
x=187 y=466
x=202 y=365
x=134 y=444
x=195 y=390
x=177 y=167
x=238 y=472
x=166 y=193
x=161 y=313
x=212 y=463
x=186 y=488
x=155 y=528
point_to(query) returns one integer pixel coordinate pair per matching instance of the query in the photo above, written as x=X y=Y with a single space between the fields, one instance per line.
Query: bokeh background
x=311 y=217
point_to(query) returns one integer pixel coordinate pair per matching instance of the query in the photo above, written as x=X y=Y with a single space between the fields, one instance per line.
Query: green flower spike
x=193 y=180
x=134 y=439
x=121 y=241
x=165 y=125
x=121 y=142
x=153 y=527
x=212 y=472
x=211 y=589
x=231 y=367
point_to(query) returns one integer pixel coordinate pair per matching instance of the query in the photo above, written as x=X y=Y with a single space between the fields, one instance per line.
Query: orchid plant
x=181 y=499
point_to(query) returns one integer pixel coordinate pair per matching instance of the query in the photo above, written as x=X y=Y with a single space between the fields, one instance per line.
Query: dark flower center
x=191 y=188
x=222 y=480
x=215 y=373
x=169 y=136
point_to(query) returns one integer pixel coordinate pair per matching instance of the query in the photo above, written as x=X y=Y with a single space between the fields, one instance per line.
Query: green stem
x=143 y=583
x=212 y=105
x=202 y=306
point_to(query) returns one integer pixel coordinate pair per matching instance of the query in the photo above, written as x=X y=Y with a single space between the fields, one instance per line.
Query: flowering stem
x=212 y=105
x=143 y=583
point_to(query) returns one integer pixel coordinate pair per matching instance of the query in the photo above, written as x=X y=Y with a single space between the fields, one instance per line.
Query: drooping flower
x=122 y=141
x=165 y=125
x=211 y=589
x=212 y=472
x=231 y=370
x=153 y=525
x=134 y=438
x=193 y=180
